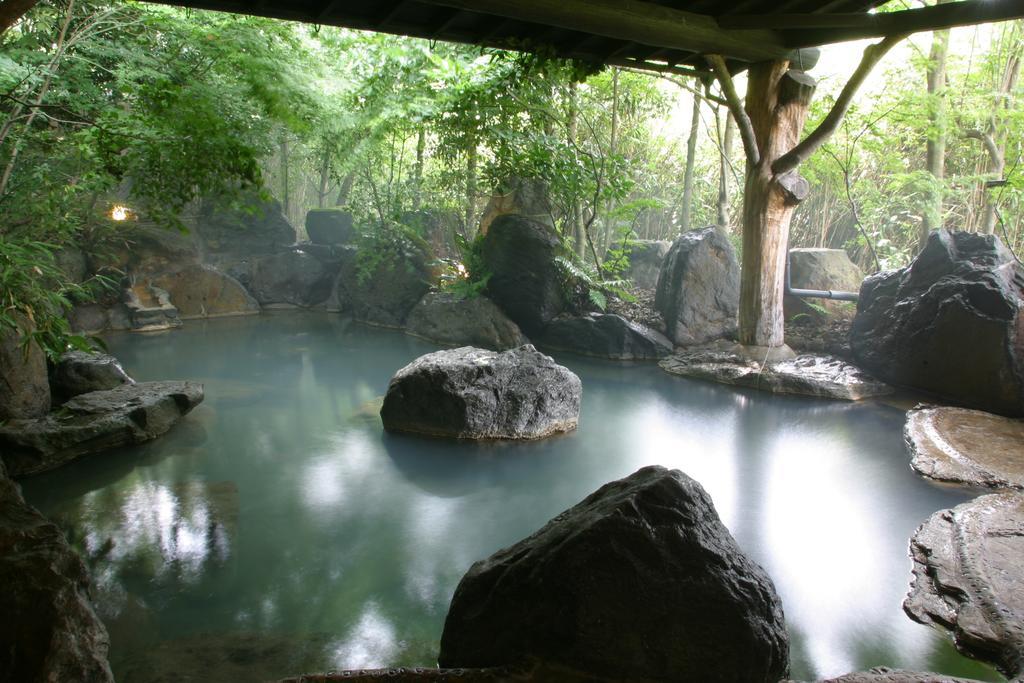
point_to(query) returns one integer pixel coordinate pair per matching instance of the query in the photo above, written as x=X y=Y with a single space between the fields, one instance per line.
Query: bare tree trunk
x=691 y=155
x=724 y=169
x=471 y=159
x=325 y=180
x=612 y=150
x=346 y=188
x=777 y=104
x=935 y=157
x=575 y=212
x=285 y=189
x=421 y=148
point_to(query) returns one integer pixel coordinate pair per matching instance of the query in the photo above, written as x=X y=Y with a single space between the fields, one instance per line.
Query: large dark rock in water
x=951 y=323
x=471 y=393
x=95 y=422
x=644 y=261
x=381 y=292
x=291 y=278
x=49 y=631
x=452 y=319
x=330 y=226
x=698 y=289
x=79 y=372
x=199 y=291
x=640 y=581
x=525 y=279
x=605 y=335
x=24 y=385
x=968 y=578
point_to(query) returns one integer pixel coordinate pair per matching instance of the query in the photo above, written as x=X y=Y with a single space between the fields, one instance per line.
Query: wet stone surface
x=968 y=578
x=884 y=674
x=808 y=375
x=967 y=447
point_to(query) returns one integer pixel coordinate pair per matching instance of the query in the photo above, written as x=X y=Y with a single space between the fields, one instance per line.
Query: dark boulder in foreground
x=451 y=319
x=24 y=385
x=968 y=578
x=640 y=581
x=698 y=291
x=525 y=280
x=951 y=323
x=330 y=226
x=470 y=393
x=49 y=631
x=95 y=422
x=605 y=335
x=79 y=372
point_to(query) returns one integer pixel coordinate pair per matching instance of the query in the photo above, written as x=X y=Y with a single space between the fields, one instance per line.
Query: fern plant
x=582 y=278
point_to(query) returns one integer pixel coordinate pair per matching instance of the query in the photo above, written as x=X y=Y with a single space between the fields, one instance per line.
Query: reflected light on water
x=826 y=549
x=371 y=644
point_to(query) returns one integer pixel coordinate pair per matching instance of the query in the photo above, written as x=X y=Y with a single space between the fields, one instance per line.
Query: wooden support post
x=778 y=99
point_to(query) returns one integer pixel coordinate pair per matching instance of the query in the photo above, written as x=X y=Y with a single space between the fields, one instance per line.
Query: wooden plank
x=838 y=27
x=637 y=21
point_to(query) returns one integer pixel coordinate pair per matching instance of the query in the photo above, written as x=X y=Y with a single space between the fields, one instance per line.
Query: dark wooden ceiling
x=649 y=34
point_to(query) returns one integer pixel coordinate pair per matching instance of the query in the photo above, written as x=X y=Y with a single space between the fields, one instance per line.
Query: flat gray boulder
x=451 y=319
x=471 y=393
x=698 y=291
x=640 y=581
x=968 y=447
x=969 y=578
x=95 y=422
x=79 y=372
x=883 y=674
x=605 y=335
x=49 y=631
x=291 y=278
x=805 y=375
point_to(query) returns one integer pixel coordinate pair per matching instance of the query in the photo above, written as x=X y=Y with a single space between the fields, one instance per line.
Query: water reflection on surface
x=279 y=529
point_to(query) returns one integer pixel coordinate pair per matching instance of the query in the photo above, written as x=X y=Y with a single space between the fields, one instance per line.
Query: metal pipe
x=816 y=293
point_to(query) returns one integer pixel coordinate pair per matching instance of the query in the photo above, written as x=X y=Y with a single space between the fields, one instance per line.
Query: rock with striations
x=967 y=447
x=822 y=269
x=806 y=375
x=380 y=292
x=49 y=631
x=291 y=278
x=200 y=291
x=645 y=258
x=95 y=422
x=640 y=581
x=951 y=323
x=605 y=335
x=448 y=318
x=698 y=288
x=79 y=372
x=24 y=386
x=471 y=393
x=526 y=197
x=330 y=226
x=525 y=279
x=883 y=674
x=968 y=578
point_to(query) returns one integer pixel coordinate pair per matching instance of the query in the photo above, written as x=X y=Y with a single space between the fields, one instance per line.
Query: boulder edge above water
x=639 y=581
x=472 y=393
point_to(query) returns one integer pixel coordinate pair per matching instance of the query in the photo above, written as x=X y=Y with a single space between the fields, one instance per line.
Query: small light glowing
x=120 y=213
x=462 y=270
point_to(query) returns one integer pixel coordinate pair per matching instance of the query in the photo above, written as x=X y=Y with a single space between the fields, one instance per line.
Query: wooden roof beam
x=637 y=21
x=805 y=30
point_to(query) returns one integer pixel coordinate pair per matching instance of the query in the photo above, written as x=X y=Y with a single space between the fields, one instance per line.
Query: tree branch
x=746 y=128
x=809 y=145
x=990 y=145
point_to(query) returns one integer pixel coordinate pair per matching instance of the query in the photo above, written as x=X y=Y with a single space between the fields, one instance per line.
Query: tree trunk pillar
x=777 y=103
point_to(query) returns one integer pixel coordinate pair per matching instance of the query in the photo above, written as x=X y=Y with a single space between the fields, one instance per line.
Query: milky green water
x=278 y=530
